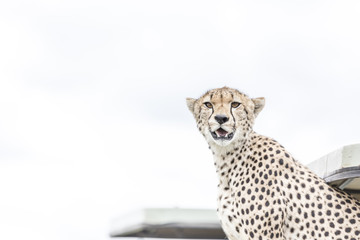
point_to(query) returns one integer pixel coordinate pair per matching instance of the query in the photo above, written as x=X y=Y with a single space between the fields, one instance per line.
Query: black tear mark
x=212 y=109
x=232 y=114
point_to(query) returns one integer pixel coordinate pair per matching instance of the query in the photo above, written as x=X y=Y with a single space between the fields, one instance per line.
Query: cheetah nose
x=221 y=119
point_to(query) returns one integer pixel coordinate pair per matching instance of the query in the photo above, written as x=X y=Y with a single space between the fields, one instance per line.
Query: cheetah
x=263 y=192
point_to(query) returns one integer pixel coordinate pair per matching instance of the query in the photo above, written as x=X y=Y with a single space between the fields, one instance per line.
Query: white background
x=93 y=120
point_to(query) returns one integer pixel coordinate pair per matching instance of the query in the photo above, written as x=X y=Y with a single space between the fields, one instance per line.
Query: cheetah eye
x=235 y=104
x=208 y=105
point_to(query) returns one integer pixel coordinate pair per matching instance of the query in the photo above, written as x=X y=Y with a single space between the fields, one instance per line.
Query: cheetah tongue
x=221 y=132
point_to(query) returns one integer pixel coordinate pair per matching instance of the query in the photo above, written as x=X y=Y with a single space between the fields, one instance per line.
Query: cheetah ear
x=259 y=105
x=190 y=103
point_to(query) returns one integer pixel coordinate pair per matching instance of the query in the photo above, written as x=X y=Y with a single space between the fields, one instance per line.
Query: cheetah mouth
x=221 y=134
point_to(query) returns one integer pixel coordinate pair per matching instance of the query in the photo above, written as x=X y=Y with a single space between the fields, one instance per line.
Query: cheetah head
x=225 y=115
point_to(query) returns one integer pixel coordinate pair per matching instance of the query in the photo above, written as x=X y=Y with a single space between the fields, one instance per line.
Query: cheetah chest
x=229 y=220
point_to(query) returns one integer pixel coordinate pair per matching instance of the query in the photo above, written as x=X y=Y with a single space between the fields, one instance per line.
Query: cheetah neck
x=224 y=157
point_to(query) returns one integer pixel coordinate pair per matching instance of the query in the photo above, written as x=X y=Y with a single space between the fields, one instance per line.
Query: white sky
x=93 y=121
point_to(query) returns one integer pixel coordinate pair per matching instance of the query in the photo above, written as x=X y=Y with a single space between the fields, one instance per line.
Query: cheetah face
x=224 y=115
x=220 y=126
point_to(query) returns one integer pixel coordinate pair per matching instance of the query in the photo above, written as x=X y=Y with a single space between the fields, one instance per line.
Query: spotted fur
x=263 y=192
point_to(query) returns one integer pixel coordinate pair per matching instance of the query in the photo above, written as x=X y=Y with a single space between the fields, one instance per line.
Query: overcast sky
x=93 y=120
